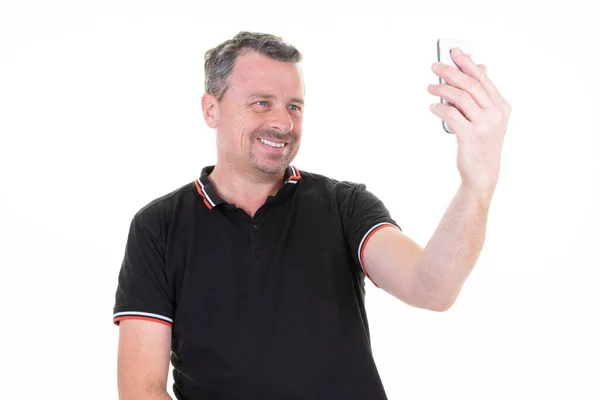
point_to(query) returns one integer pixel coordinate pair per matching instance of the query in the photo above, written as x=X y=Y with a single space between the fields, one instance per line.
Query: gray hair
x=219 y=61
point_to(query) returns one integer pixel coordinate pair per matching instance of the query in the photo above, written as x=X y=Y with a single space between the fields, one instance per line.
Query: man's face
x=259 y=119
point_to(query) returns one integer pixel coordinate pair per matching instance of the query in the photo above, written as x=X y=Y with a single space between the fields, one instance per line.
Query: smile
x=272 y=144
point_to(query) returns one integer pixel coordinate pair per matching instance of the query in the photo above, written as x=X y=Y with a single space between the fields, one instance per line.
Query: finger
x=463 y=81
x=459 y=98
x=479 y=74
x=455 y=120
x=483 y=68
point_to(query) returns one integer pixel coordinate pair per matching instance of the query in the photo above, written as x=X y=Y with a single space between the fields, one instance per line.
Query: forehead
x=254 y=72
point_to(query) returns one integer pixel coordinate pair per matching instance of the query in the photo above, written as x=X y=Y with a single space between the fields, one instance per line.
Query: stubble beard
x=283 y=160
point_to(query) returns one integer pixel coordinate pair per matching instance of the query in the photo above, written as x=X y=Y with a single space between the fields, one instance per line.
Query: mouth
x=270 y=143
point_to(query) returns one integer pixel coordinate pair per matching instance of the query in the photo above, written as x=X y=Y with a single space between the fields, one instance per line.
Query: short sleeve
x=143 y=290
x=362 y=215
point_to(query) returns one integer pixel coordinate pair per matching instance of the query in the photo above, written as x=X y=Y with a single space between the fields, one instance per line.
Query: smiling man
x=250 y=280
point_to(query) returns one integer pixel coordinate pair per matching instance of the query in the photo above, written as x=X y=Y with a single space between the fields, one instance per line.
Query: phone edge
x=439 y=58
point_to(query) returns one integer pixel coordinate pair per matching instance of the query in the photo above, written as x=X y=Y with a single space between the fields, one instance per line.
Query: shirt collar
x=211 y=199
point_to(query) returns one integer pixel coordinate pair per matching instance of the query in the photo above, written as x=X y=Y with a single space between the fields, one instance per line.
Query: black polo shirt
x=269 y=307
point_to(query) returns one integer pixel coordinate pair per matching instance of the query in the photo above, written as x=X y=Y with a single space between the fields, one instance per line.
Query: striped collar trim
x=292 y=175
x=212 y=199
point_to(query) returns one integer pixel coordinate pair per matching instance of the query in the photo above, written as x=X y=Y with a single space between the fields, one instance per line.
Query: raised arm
x=433 y=277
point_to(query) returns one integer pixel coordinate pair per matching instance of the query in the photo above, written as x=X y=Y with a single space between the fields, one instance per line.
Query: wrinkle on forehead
x=252 y=67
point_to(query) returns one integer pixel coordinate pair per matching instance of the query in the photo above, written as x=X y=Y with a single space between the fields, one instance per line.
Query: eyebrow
x=270 y=96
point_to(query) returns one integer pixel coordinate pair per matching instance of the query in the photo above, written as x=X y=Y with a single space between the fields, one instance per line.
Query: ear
x=210 y=110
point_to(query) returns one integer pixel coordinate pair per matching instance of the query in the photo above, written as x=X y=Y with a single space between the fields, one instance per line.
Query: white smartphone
x=444 y=48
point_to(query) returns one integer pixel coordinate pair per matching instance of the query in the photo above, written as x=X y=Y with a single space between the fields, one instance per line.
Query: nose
x=281 y=120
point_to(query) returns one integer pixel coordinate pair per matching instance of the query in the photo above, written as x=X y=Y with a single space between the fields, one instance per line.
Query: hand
x=479 y=119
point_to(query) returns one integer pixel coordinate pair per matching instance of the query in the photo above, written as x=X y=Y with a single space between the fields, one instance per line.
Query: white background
x=100 y=113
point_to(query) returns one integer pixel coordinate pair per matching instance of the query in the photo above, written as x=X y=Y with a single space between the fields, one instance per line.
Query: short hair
x=219 y=61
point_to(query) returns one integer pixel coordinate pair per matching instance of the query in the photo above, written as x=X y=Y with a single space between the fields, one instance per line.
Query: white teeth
x=269 y=143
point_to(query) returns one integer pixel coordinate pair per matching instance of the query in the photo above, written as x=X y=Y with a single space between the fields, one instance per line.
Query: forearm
x=451 y=253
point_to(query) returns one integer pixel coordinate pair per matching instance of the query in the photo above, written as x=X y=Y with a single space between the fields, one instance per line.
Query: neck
x=248 y=190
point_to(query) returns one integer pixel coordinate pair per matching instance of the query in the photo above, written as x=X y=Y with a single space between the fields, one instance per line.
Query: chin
x=271 y=164
x=270 y=168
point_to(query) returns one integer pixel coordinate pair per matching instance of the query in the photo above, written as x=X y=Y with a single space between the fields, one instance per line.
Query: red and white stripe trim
x=295 y=177
x=120 y=316
x=207 y=200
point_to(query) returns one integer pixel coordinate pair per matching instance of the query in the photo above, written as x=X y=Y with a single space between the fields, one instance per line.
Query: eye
x=294 y=107
x=262 y=103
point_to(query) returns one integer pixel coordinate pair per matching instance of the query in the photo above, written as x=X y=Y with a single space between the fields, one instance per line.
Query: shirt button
x=254 y=228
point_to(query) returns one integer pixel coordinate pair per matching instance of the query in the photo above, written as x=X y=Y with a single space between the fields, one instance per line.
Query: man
x=251 y=278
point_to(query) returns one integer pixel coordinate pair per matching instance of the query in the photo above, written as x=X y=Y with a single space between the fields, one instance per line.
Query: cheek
x=244 y=127
x=298 y=127
x=236 y=124
x=243 y=123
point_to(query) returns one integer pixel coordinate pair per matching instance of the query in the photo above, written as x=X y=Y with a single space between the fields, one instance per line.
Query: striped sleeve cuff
x=120 y=316
x=363 y=244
